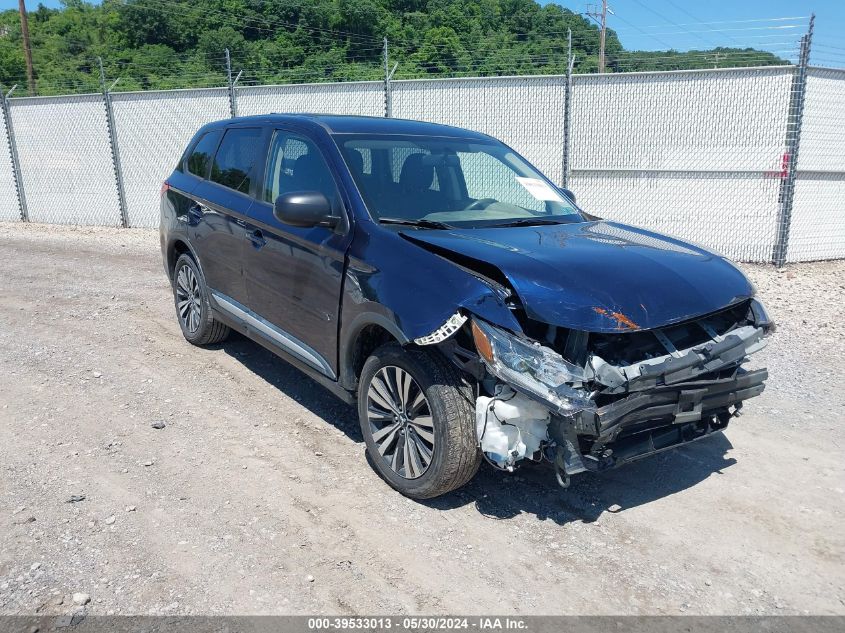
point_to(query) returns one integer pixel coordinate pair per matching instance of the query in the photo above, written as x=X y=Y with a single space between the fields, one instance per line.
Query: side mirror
x=304 y=209
x=568 y=193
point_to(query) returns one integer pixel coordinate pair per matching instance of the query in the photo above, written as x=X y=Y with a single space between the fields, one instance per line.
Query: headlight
x=760 y=317
x=531 y=368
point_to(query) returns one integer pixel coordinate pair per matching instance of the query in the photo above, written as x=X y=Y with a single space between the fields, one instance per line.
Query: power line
x=751 y=28
x=685 y=12
x=361 y=57
x=697 y=21
x=650 y=35
x=664 y=18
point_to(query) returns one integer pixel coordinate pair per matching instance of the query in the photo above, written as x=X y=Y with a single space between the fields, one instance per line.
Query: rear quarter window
x=199 y=160
x=234 y=163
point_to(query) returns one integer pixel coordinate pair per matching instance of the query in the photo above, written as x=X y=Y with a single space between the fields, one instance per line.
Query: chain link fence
x=524 y=112
x=65 y=159
x=9 y=204
x=701 y=155
x=817 y=230
x=153 y=129
x=694 y=154
x=364 y=98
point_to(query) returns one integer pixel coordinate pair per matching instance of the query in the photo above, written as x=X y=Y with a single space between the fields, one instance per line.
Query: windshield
x=452 y=182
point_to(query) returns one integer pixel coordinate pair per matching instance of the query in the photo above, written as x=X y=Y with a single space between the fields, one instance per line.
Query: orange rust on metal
x=620 y=318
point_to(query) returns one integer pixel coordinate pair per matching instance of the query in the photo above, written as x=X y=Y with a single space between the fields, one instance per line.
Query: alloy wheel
x=188 y=299
x=401 y=423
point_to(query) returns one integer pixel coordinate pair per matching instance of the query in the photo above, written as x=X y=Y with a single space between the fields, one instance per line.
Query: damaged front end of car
x=590 y=401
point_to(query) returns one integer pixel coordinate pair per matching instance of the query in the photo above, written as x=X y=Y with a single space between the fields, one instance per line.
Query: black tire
x=201 y=328
x=455 y=457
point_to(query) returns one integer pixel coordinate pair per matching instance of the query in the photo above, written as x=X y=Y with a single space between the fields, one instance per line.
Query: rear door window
x=234 y=163
x=200 y=159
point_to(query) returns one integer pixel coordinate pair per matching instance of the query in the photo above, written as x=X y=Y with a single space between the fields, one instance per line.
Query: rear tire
x=418 y=421
x=193 y=310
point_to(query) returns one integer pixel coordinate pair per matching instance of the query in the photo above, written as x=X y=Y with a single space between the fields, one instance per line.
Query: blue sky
x=696 y=24
x=693 y=24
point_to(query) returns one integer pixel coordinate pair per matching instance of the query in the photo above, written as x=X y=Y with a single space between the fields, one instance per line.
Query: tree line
x=160 y=44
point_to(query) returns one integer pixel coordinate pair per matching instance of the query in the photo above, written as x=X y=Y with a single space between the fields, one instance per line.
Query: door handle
x=256 y=237
x=197 y=210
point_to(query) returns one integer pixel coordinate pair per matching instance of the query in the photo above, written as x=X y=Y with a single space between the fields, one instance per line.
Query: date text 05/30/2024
x=410 y=623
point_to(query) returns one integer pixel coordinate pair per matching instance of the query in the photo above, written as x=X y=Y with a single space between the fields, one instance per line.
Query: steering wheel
x=478 y=205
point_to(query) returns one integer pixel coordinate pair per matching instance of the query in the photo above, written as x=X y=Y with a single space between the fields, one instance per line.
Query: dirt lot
x=256 y=497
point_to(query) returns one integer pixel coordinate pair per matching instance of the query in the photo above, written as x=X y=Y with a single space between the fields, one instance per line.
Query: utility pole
x=27 y=49
x=603 y=34
x=601 y=18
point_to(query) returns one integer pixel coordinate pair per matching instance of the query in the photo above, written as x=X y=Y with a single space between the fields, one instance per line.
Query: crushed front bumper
x=678 y=403
x=659 y=403
x=649 y=422
x=602 y=414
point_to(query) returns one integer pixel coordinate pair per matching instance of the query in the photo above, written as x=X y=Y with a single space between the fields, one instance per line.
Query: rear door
x=294 y=275
x=192 y=170
x=218 y=216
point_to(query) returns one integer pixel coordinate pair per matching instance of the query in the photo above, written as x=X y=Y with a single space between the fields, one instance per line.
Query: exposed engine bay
x=591 y=401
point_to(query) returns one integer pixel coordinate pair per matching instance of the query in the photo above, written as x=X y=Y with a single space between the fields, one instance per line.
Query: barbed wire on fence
x=362 y=57
x=707 y=158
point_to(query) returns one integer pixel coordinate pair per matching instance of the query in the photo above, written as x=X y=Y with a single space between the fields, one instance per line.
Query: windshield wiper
x=528 y=222
x=421 y=223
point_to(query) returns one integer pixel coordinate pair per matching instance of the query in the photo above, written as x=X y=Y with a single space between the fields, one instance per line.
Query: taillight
x=165 y=187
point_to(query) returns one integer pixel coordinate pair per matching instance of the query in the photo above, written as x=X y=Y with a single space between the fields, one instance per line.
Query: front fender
x=409 y=291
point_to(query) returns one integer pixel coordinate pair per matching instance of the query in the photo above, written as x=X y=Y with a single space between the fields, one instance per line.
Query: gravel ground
x=255 y=496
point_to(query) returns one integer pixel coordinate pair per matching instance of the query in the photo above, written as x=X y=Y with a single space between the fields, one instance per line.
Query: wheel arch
x=366 y=333
x=175 y=250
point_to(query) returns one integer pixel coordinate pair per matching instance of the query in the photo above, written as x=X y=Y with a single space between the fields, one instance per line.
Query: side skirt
x=324 y=381
x=258 y=324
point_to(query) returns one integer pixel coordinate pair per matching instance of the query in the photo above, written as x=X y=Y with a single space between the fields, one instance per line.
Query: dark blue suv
x=468 y=306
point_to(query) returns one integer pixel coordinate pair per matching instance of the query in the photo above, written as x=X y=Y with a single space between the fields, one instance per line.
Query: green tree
x=153 y=44
x=441 y=52
x=212 y=45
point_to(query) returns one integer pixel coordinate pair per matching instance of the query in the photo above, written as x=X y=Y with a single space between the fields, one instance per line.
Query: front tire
x=418 y=421
x=193 y=310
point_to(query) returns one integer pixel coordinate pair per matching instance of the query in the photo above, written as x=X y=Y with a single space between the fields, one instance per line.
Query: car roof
x=346 y=124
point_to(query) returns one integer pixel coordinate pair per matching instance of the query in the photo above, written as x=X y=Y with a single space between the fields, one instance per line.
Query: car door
x=193 y=169
x=294 y=275
x=218 y=215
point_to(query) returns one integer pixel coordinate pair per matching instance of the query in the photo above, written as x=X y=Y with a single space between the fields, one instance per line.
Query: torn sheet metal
x=682 y=365
x=391 y=284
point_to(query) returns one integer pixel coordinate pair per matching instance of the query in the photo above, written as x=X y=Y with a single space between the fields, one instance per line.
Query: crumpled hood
x=597 y=276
